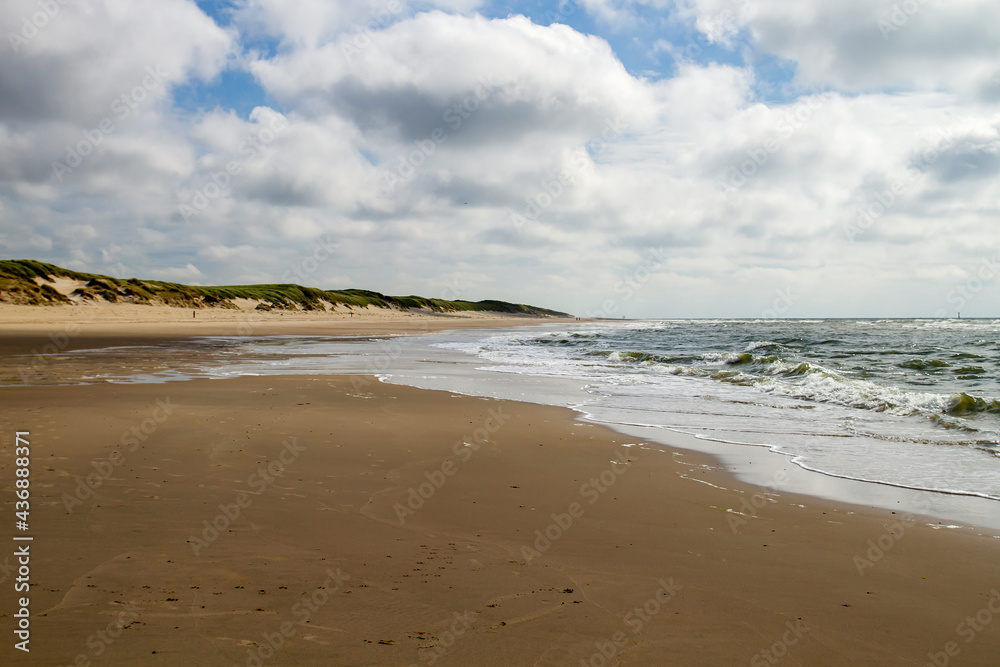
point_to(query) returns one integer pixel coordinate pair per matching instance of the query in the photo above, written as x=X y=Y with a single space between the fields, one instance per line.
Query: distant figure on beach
x=194 y=314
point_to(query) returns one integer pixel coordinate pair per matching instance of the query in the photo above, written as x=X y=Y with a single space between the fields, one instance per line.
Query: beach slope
x=341 y=521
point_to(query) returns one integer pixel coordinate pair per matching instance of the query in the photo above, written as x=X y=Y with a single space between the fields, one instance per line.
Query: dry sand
x=34 y=329
x=118 y=316
x=392 y=527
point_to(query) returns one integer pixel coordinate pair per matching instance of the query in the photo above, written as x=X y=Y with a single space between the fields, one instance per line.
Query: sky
x=614 y=158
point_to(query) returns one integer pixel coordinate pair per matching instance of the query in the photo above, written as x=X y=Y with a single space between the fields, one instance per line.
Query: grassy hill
x=18 y=286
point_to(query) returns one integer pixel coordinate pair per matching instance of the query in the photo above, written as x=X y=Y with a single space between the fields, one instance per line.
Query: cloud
x=315 y=22
x=86 y=55
x=524 y=161
x=441 y=97
x=621 y=14
x=969 y=159
x=188 y=273
x=861 y=46
x=90 y=90
x=404 y=81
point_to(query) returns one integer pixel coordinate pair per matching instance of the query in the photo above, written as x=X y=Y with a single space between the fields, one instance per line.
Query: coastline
x=431 y=509
x=426 y=505
x=175 y=350
x=32 y=329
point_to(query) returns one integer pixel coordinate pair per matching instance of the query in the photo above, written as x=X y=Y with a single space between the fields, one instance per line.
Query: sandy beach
x=341 y=521
x=579 y=333
x=32 y=329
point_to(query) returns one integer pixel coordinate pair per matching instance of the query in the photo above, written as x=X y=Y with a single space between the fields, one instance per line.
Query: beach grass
x=18 y=284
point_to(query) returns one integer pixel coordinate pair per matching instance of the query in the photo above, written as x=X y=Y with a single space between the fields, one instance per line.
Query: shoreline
x=34 y=329
x=460 y=527
x=767 y=467
x=757 y=465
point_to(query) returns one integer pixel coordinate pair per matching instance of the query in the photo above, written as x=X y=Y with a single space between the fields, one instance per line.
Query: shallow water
x=892 y=401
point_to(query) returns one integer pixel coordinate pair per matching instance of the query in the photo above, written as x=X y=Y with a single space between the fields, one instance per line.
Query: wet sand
x=341 y=521
x=30 y=330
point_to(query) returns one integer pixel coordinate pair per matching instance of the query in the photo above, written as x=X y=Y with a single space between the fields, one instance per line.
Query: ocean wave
x=863 y=394
x=970 y=370
x=762 y=344
x=644 y=358
x=769 y=365
x=814 y=382
x=729 y=358
x=965 y=404
x=924 y=364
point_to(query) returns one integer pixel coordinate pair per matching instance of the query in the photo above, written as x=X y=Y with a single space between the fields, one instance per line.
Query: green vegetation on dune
x=18 y=285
